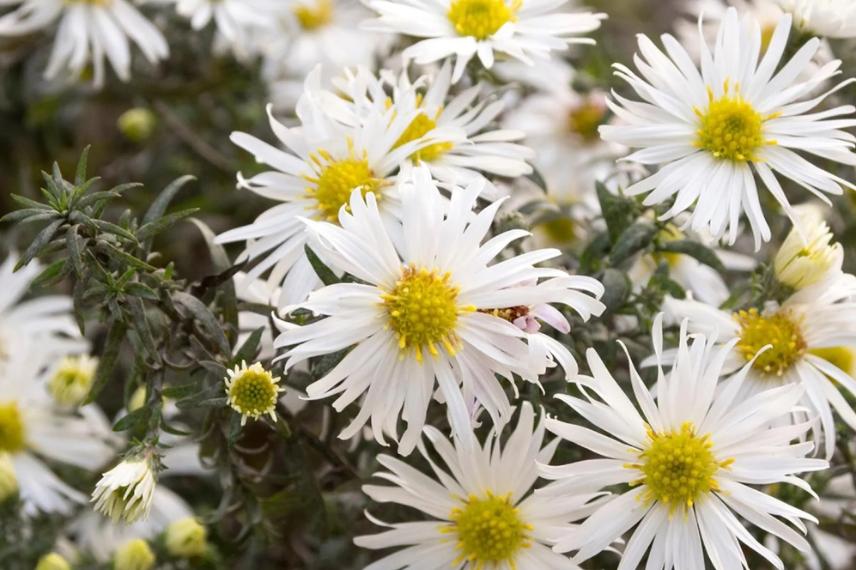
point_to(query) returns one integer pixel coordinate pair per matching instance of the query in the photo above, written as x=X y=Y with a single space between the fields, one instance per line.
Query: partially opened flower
x=687 y=462
x=744 y=117
x=808 y=255
x=483 y=513
x=125 y=492
x=424 y=311
x=830 y=18
x=88 y=32
x=468 y=28
x=72 y=379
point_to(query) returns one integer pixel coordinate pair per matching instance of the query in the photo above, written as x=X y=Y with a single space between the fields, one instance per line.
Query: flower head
x=53 y=561
x=72 y=379
x=717 y=131
x=135 y=554
x=186 y=538
x=687 y=463
x=830 y=18
x=808 y=255
x=125 y=492
x=252 y=391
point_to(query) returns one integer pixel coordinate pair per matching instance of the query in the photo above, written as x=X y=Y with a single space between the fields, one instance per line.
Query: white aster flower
x=125 y=492
x=467 y=28
x=810 y=338
x=713 y=132
x=88 y=31
x=807 y=255
x=43 y=322
x=434 y=264
x=483 y=513
x=829 y=18
x=33 y=429
x=236 y=20
x=689 y=462
x=460 y=161
x=325 y=161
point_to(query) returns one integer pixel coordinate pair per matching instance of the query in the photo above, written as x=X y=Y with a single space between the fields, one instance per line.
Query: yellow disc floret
x=480 y=18
x=12 y=435
x=779 y=330
x=337 y=179
x=489 y=530
x=252 y=391
x=314 y=14
x=584 y=120
x=418 y=128
x=730 y=128
x=678 y=467
x=423 y=310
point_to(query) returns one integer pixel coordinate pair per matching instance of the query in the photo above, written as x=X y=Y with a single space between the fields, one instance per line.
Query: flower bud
x=807 y=255
x=137 y=124
x=134 y=555
x=125 y=492
x=72 y=380
x=53 y=561
x=186 y=538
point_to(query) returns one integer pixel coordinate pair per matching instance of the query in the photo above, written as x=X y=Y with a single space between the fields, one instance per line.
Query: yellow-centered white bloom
x=136 y=554
x=253 y=391
x=33 y=430
x=71 y=380
x=741 y=118
x=522 y=29
x=326 y=160
x=125 y=492
x=829 y=18
x=425 y=309
x=186 y=538
x=808 y=255
x=688 y=464
x=479 y=498
x=808 y=341
x=88 y=32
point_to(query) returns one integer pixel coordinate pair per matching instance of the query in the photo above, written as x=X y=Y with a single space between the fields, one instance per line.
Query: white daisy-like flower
x=689 y=462
x=478 y=28
x=483 y=513
x=422 y=311
x=252 y=391
x=126 y=491
x=812 y=332
x=44 y=321
x=829 y=18
x=325 y=161
x=236 y=20
x=808 y=255
x=714 y=131
x=88 y=32
x=33 y=430
x=481 y=150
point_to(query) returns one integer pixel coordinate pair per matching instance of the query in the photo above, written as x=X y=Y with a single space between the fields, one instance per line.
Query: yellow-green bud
x=186 y=538
x=72 y=380
x=137 y=124
x=137 y=400
x=8 y=480
x=53 y=561
x=134 y=555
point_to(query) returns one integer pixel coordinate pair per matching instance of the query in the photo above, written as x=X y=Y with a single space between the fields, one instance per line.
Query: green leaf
x=632 y=240
x=324 y=273
x=617 y=287
x=122 y=256
x=133 y=420
x=218 y=254
x=38 y=243
x=162 y=202
x=250 y=348
x=111 y=228
x=72 y=242
x=594 y=253
x=107 y=360
x=140 y=290
x=28 y=215
x=50 y=274
x=694 y=249
x=618 y=211
x=29 y=203
x=80 y=173
x=208 y=323
x=155 y=227
x=181 y=390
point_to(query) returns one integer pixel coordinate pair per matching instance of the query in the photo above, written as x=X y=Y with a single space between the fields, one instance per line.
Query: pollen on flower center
x=778 y=330
x=678 y=467
x=314 y=14
x=423 y=311
x=12 y=436
x=337 y=179
x=730 y=128
x=252 y=391
x=489 y=530
x=584 y=120
x=418 y=128
x=480 y=18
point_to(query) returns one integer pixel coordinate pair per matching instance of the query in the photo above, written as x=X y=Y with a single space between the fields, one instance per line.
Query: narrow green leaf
x=133 y=420
x=23 y=201
x=632 y=240
x=250 y=348
x=140 y=290
x=208 y=323
x=161 y=203
x=38 y=243
x=618 y=211
x=118 y=254
x=28 y=215
x=80 y=173
x=617 y=287
x=107 y=360
x=50 y=274
x=324 y=273
x=155 y=227
x=694 y=249
x=111 y=228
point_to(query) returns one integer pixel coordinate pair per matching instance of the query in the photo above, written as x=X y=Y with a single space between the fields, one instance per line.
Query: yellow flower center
x=730 y=128
x=423 y=311
x=253 y=391
x=841 y=356
x=314 y=15
x=559 y=230
x=780 y=331
x=678 y=467
x=490 y=531
x=336 y=181
x=585 y=119
x=12 y=436
x=481 y=18
x=418 y=128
